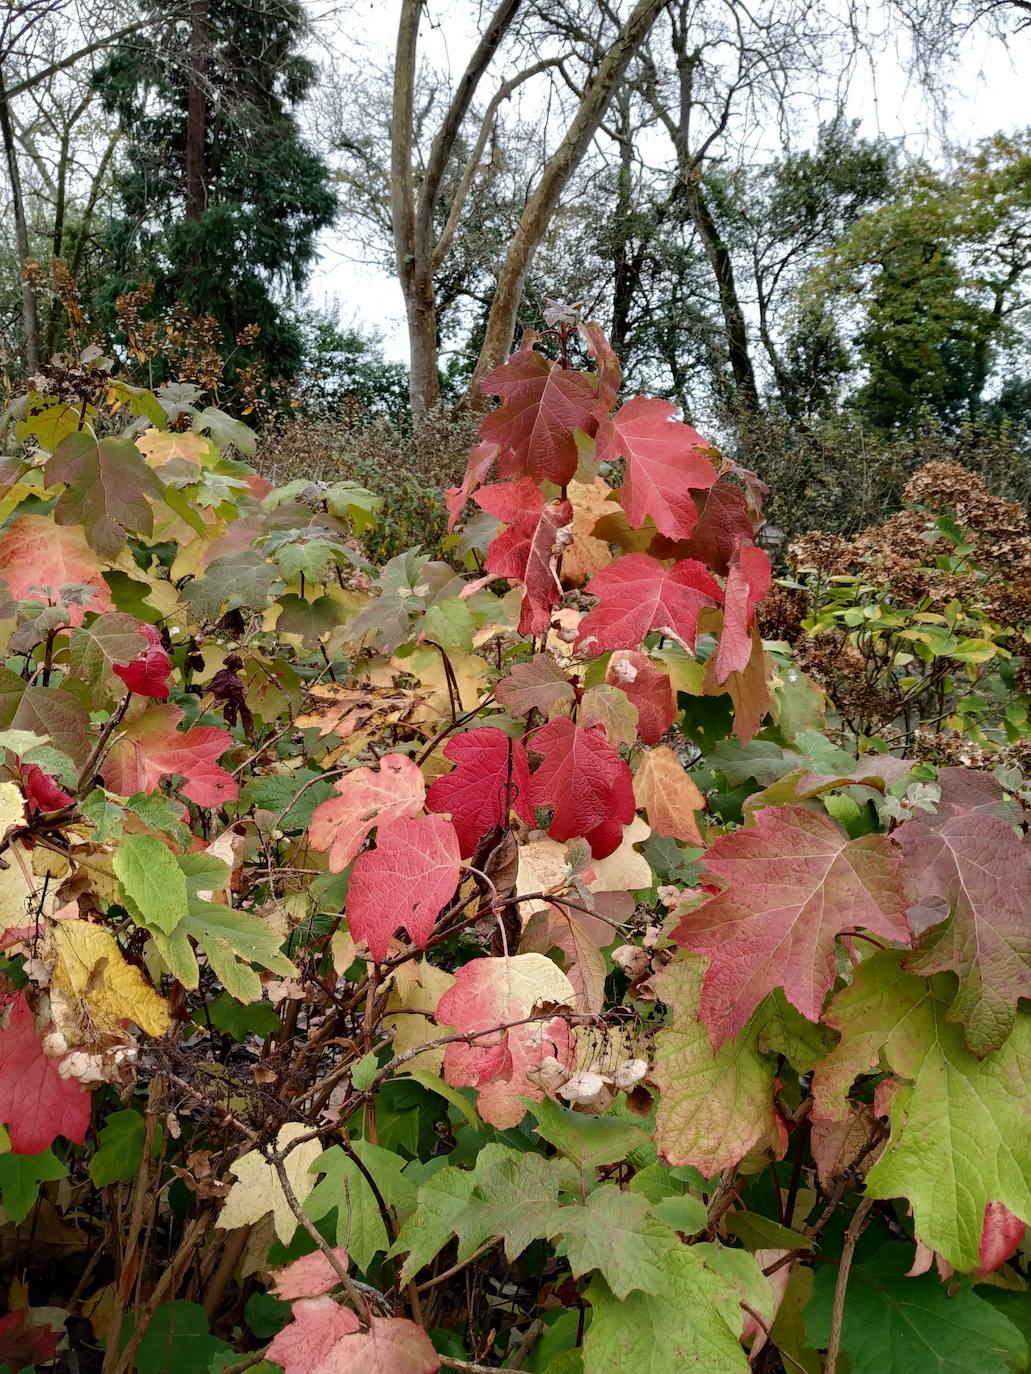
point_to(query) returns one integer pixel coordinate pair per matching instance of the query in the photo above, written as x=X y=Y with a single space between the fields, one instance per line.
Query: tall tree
x=221 y=200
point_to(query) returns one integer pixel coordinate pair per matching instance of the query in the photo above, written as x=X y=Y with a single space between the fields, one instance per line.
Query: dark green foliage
x=267 y=195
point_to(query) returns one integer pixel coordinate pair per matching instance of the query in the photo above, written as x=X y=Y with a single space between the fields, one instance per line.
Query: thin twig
x=856 y=1227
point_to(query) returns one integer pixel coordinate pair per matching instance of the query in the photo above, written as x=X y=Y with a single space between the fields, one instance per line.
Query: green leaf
x=241 y=580
x=442 y=1200
x=589 y=1141
x=686 y=1214
x=150 y=878
x=756 y=1232
x=93 y=650
x=450 y=624
x=364 y=1072
x=713 y=1108
x=231 y=1018
x=177 y=1341
x=693 y=1323
x=108 y=489
x=433 y=1084
x=894 y=1323
x=343 y=1187
x=617 y=1234
x=121 y=1149
x=161 y=813
x=959 y=1136
x=225 y=431
x=20 y=1177
x=515 y=1199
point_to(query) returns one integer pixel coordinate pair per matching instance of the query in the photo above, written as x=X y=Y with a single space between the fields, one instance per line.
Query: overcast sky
x=989 y=93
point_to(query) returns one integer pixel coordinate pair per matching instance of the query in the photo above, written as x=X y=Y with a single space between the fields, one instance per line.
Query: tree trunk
x=21 y=234
x=57 y=241
x=540 y=208
x=196 y=112
x=736 y=331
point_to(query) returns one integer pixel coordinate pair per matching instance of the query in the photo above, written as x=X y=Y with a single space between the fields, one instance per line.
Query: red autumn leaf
x=588 y=786
x=649 y=690
x=487 y=996
x=665 y=464
x=491 y=777
x=36 y=1103
x=528 y=549
x=610 y=370
x=539 y=683
x=308 y=1277
x=41 y=561
x=793 y=883
x=148 y=673
x=152 y=749
x=318 y=1324
x=544 y=406
x=748 y=581
x=1001 y=1236
x=22 y=1345
x=973 y=868
x=42 y=791
x=476 y=470
x=365 y=797
x=637 y=594
x=405 y=881
x=725 y=522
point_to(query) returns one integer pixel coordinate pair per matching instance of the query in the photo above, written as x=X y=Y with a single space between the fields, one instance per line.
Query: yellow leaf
x=417 y=988
x=91 y=970
x=258 y=1191
x=587 y=555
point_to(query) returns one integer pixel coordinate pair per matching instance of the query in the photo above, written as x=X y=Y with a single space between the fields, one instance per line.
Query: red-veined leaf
x=793 y=883
x=665 y=464
x=585 y=782
x=365 y=797
x=491 y=777
x=543 y=407
x=529 y=548
x=637 y=594
x=748 y=581
x=152 y=749
x=405 y=881
x=649 y=690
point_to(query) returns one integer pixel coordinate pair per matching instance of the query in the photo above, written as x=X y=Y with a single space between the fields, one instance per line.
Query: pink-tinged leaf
x=405 y=881
x=491 y=777
x=492 y=993
x=529 y=548
x=36 y=1103
x=22 y=1345
x=748 y=581
x=308 y=1277
x=665 y=464
x=41 y=791
x=793 y=883
x=539 y=684
x=41 y=561
x=392 y=1345
x=148 y=674
x=585 y=782
x=637 y=594
x=1001 y=1237
x=153 y=748
x=318 y=1324
x=725 y=522
x=610 y=370
x=976 y=871
x=649 y=690
x=480 y=460
x=544 y=406
x=365 y=797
